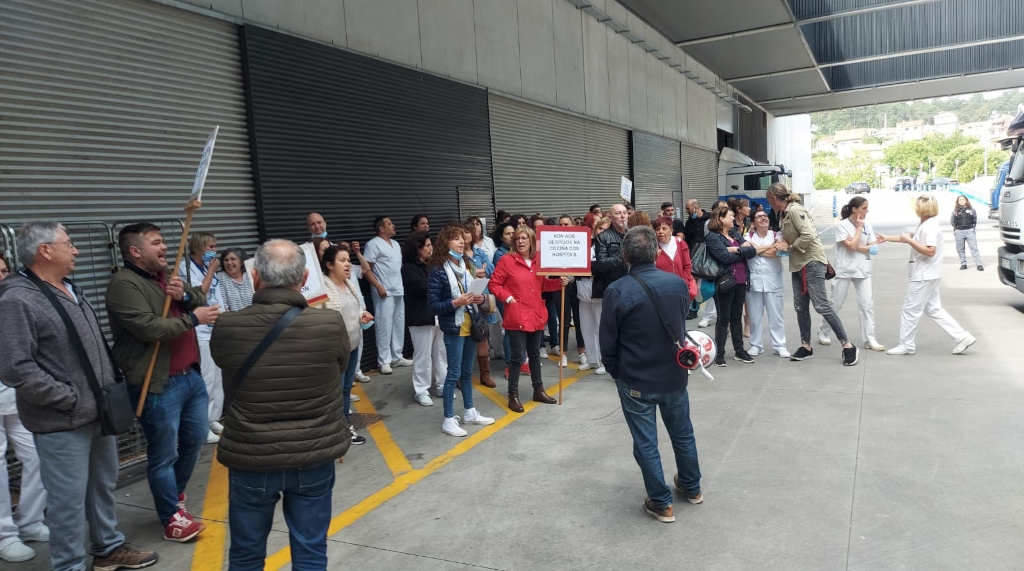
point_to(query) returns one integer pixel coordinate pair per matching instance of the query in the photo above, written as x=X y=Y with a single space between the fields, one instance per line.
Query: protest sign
x=626 y=190
x=313 y=290
x=204 y=166
x=564 y=250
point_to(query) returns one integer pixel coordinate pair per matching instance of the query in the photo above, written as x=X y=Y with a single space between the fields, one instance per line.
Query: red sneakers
x=182 y=527
x=524 y=368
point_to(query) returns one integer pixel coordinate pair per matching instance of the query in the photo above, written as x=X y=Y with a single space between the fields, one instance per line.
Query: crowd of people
x=241 y=359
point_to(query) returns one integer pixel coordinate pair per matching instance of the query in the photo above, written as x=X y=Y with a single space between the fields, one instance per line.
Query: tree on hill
x=912 y=157
x=968 y=161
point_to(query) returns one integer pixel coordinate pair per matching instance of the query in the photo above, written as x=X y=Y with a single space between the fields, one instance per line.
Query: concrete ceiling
x=799 y=56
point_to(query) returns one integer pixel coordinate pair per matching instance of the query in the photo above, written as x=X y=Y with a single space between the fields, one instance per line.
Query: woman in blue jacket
x=449 y=298
x=726 y=247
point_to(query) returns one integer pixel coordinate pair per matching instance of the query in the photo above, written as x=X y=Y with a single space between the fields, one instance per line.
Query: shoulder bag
x=113 y=404
x=282 y=323
x=703 y=265
x=478 y=328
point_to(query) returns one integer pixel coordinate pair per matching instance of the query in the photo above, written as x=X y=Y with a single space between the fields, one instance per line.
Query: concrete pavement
x=898 y=462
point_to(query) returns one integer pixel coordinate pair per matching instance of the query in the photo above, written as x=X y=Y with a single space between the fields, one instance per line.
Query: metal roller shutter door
x=657 y=171
x=354 y=138
x=105 y=106
x=700 y=175
x=551 y=162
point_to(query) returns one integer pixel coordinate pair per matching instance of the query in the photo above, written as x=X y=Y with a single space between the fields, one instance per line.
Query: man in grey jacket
x=78 y=463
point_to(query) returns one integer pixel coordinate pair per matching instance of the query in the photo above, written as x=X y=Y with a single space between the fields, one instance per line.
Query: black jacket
x=609 y=265
x=414 y=280
x=695 y=230
x=635 y=348
x=718 y=249
x=964 y=218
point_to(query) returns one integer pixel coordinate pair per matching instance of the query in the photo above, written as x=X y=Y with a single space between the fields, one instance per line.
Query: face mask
x=366 y=325
x=454 y=254
x=208 y=256
x=321 y=235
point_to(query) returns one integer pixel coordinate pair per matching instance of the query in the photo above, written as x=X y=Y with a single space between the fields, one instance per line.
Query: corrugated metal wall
x=657 y=172
x=700 y=175
x=554 y=163
x=354 y=138
x=105 y=106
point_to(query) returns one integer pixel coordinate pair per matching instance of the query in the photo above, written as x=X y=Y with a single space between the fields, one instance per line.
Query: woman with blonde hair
x=925 y=270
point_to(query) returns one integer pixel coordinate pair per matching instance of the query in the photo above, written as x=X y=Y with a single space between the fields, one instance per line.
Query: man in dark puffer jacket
x=283 y=423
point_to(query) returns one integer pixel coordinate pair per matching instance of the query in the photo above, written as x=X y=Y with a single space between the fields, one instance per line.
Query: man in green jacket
x=284 y=423
x=174 y=417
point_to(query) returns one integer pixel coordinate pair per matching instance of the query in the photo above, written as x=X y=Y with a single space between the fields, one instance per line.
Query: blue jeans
x=307 y=511
x=640 y=412
x=175 y=423
x=461 y=352
x=346 y=382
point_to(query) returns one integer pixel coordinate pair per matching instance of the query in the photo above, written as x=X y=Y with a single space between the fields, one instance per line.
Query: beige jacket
x=799 y=232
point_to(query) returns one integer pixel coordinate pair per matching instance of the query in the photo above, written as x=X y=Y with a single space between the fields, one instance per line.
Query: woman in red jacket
x=516 y=283
x=673 y=254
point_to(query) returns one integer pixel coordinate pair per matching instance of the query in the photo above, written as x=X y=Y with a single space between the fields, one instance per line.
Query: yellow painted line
x=393 y=455
x=209 y=551
x=404 y=481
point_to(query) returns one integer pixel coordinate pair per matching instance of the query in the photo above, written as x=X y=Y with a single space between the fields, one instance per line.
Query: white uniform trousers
x=33 y=496
x=429 y=358
x=590 y=325
x=923 y=298
x=213 y=379
x=389 y=321
x=760 y=303
x=865 y=304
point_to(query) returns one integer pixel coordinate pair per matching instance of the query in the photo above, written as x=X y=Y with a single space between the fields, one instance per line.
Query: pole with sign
x=194 y=203
x=564 y=251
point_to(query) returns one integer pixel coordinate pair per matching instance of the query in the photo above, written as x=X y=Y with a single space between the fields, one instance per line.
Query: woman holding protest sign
x=516 y=283
x=449 y=296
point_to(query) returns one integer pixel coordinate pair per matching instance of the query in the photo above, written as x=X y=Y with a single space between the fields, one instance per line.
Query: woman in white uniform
x=856 y=242
x=925 y=271
x=766 y=289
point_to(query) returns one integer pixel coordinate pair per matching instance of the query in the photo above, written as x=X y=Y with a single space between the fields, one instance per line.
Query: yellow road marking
x=393 y=455
x=209 y=552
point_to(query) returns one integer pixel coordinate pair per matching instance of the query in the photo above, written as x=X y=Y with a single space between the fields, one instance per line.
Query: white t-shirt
x=387 y=263
x=194 y=277
x=765 y=272
x=669 y=248
x=923 y=267
x=850 y=263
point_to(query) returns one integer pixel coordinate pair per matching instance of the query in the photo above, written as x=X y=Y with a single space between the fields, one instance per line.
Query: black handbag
x=113 y=403
x=479 y=330
x=702 y=265
x=725 y=282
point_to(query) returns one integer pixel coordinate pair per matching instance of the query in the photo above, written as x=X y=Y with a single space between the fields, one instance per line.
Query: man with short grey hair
x=78 y=463
x=284 y=426
x=642 y=326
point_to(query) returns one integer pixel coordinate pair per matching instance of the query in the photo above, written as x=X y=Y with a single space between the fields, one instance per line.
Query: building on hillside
x=946 y=123
x=910 y=130
x=825 y=144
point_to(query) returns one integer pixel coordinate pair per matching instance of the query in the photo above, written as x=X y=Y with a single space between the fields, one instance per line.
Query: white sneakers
x=451 y=427
x=385 y=369
x=473 y=416
x=874 y=345
x=824 y=339
x=704 y=322
x=38 y=533
x=212 y=438
x=400 y=362
x=353 y=397
x=753 y=351
x=216 y=427
x=424 y=399
x=15 y=551
x=783 y=353
x=564 y=362
x=601 y=371
x=543 y=353
x=361 y=377
x=964 y=343
x=900 y=350
x=582 y=360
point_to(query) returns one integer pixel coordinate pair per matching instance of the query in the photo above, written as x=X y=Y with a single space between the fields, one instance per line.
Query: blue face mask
x=208 y=256
x=321 y=235
x=454 y=254
x=366 y=325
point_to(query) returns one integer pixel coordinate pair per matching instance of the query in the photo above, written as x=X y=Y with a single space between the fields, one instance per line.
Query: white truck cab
x=1011 y=209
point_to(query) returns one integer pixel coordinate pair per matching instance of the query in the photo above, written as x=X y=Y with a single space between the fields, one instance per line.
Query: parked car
x=903 y=184
x=858 y=188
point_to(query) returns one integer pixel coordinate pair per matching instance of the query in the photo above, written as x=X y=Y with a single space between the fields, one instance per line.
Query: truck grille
x=1010 y=233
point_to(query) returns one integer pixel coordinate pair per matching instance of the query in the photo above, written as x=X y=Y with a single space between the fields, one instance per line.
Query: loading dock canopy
x=799 y=56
